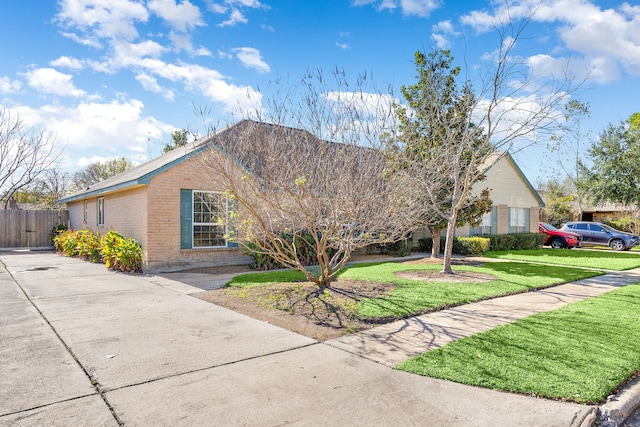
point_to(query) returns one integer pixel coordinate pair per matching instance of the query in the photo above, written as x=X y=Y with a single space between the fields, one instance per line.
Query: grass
x=416 y=296
x=576 y=258
x=412 y=297
x=581 y=352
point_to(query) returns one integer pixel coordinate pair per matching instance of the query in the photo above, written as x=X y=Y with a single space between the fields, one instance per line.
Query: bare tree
x=45 y=191
x=293 y=185
x=461 y=131
x=568 y=147
x=25 y=153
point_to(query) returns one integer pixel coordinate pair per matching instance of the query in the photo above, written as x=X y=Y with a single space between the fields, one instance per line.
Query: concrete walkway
x=85 y=346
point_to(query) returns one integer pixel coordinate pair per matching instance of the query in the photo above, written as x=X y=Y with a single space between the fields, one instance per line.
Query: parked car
x=595 y=233
x=558 y=239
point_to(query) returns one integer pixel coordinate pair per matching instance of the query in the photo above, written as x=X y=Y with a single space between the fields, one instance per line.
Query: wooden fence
x=29 y=228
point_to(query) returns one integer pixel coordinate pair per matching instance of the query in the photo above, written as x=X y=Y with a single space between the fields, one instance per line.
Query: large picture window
x=209 y=219
x=204 y=219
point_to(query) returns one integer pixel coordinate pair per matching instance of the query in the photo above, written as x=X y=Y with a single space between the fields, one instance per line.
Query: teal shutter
x=186 y=219
x=232 y=223
x=509 y=229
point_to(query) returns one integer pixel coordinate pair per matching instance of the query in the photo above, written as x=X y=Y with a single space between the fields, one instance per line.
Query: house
x=180 y=214
x=516 y=204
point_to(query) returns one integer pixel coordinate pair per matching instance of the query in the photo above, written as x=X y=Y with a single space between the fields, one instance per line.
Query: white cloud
x=181 y=17
x=440 y=41
x=151 y=84
x=251 y=58
x=104 y=18
x=421 y=8
x=113 y=126
x=85 y=41
x=50 y=81
x=202 y=80
x=67 y=62
x=202 y=51
x=235 y=18
x=9 y=86
x=606 y=41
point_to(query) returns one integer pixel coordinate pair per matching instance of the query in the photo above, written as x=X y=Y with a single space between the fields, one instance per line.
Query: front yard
x=365 y=295
x=582 y=352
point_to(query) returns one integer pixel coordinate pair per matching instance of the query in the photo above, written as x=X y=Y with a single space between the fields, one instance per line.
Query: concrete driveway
x=82 y=345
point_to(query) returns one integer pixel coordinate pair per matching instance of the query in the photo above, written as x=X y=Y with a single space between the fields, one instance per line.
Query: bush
x=461 y=245
x=477 y=245
x=516 y=241
x=114 y=250
x=470 y=245
x=88 y=246
x=56 y=231
x=65 y=243
x=120 y=253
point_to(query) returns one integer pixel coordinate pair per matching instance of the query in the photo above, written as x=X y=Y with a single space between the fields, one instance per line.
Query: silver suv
x=595 y=233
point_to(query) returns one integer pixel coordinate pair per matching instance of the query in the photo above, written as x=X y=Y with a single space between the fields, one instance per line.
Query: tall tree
x=615 y=174
x=466 y=130
x=25 y=153
x=437 y=113
x=99 y=171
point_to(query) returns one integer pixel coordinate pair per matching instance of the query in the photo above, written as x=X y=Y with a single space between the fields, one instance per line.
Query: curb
x=621 y=406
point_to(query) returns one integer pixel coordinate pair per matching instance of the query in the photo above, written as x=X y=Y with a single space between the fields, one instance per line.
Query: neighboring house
x=179 y=214
x=516 y=204
x=605 y=212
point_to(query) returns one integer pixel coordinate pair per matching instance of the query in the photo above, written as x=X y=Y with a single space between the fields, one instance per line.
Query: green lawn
x=580 y=352
x=418 y=296
x=576 y=258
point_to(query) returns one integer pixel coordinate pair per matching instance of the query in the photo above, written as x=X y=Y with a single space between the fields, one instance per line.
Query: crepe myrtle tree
x=309 y=182
x=450 y=132
x=25 y=154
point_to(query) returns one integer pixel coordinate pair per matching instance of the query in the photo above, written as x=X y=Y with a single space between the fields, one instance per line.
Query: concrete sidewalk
x=85 y=346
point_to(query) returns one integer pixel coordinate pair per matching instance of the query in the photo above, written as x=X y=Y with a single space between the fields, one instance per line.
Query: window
x=100 y=210
x=485 y=227
x=204 y=219
x=86 y=210
x=488 y=225
x=518 y=220
x=209 y=219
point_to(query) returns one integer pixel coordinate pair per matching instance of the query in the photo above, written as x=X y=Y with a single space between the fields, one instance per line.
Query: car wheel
x=617 y=245
x=557 y=243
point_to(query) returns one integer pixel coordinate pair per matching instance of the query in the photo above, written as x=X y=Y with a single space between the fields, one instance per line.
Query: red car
x=559 y=238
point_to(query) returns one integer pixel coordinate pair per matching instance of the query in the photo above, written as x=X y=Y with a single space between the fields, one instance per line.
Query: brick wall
x=163 y=242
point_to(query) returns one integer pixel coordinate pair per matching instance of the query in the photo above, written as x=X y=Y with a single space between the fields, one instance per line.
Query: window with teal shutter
x=205 y=219
x=186 y=219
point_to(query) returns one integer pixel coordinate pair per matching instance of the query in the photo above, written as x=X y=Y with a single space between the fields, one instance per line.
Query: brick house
x=164 y=204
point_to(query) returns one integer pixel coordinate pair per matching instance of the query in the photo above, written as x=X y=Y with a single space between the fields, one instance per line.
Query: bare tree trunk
x=435 y=246
x=448 y=248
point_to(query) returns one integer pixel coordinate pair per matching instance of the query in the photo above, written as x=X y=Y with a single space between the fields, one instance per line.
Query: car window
x=595 y=227
x=581 y=226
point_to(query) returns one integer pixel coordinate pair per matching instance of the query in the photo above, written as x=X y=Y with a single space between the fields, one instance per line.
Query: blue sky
x=113 y=78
